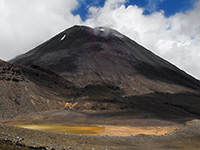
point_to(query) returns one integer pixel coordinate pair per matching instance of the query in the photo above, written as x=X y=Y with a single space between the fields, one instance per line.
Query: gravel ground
x=12 y=138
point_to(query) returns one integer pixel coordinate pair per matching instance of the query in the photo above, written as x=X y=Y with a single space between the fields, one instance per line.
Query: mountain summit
x=93 y=56
x=100 y=69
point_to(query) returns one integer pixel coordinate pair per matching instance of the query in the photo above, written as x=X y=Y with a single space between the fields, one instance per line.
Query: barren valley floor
x=153 y=134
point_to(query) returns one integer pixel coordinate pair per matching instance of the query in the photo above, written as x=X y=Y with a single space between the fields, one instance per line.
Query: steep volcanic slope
x=31 y=89
x=87 y=56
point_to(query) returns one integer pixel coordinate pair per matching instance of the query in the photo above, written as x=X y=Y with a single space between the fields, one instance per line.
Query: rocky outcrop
x=24 y=90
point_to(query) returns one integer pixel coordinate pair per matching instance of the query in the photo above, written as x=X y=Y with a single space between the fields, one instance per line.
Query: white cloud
x=176 y=38
x=152 y=5
x=24 y=24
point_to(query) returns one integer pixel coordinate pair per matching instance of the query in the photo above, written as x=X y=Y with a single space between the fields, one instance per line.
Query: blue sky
x=170 y=7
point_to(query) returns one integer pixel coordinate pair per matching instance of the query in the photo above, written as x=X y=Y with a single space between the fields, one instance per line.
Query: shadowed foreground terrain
x=104 y=125
x=186 y=138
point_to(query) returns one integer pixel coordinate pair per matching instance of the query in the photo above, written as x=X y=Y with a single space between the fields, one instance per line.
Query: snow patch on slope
x=63 y=37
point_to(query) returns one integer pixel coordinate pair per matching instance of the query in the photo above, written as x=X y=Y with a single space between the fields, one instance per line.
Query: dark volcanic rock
x=24 y=90
x=110 y=72
x=101 y=55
